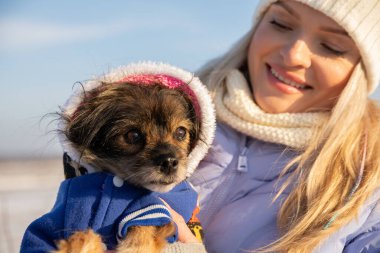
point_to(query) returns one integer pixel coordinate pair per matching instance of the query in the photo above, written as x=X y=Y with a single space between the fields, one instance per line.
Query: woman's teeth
x=287 y=81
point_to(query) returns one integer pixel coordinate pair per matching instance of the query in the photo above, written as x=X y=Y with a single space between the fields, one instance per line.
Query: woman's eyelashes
x=325 y=46
x=332 y=50
x=280 y=26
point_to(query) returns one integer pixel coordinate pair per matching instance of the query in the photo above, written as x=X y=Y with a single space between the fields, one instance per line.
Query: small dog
x=141 y=134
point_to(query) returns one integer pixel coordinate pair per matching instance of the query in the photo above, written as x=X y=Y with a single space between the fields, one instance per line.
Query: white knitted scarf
x=235 y=106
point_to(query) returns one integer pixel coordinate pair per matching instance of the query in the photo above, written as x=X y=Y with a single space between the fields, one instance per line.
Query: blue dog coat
x=107 y=205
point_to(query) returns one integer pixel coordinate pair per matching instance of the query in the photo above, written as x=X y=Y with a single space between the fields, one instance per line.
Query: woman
x=295 y=165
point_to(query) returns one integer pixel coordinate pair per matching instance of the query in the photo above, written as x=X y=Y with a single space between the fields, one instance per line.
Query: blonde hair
x=328 y=169
x=215 y=71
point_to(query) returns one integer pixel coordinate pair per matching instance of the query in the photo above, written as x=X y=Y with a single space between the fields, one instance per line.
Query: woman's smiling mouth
x=287 y=81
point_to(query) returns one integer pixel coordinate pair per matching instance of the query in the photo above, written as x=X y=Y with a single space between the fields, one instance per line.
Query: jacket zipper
x=242 y=167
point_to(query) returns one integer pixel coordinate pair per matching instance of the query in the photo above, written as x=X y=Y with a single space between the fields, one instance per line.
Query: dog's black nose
x=168 y=164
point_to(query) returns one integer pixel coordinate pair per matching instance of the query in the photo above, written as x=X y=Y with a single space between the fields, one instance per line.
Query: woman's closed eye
x=332 y=50
x=281 y=26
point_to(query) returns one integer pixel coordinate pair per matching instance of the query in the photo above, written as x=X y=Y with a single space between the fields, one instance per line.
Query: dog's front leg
x=81 y=242
x=146 y=239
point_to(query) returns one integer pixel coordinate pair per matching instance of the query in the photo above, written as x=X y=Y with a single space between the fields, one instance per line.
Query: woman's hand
x=184 y=233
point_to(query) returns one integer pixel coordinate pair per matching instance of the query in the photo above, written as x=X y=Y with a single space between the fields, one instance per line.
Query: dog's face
x=143 y=134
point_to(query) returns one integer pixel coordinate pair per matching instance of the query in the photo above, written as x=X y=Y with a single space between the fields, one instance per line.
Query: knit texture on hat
x=235 y=106
x=361 y=20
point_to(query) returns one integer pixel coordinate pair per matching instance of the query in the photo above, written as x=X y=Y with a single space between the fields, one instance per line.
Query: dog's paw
x=146 y=239
x=81 y=242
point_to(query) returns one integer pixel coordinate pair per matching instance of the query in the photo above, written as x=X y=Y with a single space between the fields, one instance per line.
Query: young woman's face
x=299 y=59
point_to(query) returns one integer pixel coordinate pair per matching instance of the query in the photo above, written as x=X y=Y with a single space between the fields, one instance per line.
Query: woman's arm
x=179 y=247
x=187 y=242
x=368 y=242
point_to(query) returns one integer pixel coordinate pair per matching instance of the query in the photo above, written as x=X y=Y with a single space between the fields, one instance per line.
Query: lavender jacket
x=236 y=183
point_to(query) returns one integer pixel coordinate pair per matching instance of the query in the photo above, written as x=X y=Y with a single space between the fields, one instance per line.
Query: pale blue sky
x=48 y=45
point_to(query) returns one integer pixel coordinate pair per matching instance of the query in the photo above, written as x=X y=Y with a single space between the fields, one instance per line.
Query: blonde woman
x=295 y=165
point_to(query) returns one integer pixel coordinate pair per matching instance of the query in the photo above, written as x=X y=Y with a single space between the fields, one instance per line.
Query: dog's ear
x=196 y=126
x=89 y=123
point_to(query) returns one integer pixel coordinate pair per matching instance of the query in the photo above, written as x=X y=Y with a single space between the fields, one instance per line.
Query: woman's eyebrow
x=334 y=30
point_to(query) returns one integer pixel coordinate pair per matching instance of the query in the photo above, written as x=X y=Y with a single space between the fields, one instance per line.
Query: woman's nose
x=296 y=54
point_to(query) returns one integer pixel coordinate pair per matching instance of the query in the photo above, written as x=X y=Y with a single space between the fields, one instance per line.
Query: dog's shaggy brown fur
x=147 y=239
x=143 y=134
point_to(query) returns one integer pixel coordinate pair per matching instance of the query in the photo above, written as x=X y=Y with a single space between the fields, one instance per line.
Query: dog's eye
x=134 y=136
x=180 y=133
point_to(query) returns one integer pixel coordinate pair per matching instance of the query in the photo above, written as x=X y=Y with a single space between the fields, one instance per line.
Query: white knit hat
x=361 y=20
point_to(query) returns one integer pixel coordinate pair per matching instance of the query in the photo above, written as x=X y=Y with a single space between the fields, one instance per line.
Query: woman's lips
x=286 y=83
